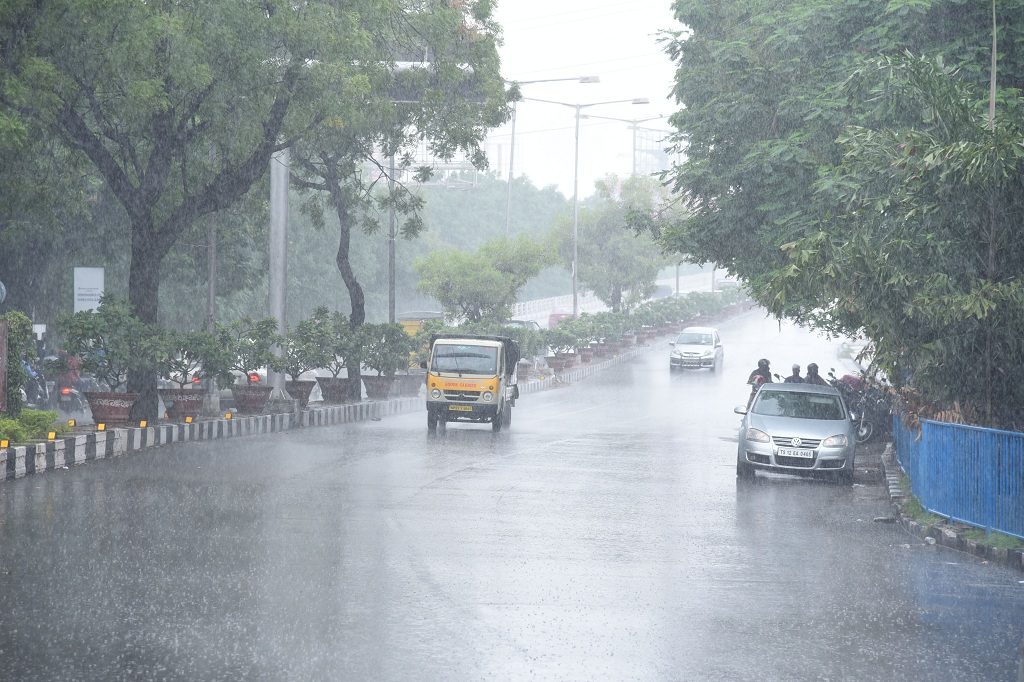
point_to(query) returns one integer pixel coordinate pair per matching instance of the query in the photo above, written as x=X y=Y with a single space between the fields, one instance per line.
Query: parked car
x=797 y=429
x=696 y=347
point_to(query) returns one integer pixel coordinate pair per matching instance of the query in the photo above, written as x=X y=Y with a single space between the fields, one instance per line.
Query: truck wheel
x=498 y=418
x=508 y=416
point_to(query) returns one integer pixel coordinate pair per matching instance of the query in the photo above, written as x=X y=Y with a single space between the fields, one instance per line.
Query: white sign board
x=88 y=288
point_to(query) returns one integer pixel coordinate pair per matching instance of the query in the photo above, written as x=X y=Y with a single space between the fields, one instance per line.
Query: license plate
x=793 y=452
x=460 y=408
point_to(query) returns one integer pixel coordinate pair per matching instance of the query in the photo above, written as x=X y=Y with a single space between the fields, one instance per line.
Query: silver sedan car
x=797 y=429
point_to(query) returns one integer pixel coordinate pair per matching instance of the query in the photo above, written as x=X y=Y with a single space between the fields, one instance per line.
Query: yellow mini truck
x=471 y=379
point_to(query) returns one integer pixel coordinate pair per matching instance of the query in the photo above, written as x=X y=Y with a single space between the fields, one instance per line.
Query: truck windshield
x=465 y=359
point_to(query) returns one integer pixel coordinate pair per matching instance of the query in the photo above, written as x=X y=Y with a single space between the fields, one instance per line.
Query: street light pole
x=576 y=212
x=634 y=125
x=512 y=139
x=576 y=181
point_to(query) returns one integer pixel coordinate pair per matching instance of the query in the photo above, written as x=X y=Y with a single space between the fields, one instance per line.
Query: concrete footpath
x=64 y=452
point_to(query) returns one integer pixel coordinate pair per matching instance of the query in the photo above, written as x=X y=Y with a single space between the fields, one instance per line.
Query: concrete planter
x=339 y=389
x=111 y=408
x=182 y=402
x=251 y=399
x=300 y=390
x=378 y=387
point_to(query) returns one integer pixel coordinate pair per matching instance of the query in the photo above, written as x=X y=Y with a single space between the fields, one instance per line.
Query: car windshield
x=799 y=405
x=465 y=359
x=695 y=339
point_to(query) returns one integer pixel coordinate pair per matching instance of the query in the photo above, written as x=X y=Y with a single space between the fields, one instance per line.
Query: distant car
x=532 y=325
x=555 y=318
x=696 y=347
x=797 y=429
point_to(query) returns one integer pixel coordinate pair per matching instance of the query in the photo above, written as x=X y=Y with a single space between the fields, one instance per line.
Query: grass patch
x=916 y=512
x=993 y=539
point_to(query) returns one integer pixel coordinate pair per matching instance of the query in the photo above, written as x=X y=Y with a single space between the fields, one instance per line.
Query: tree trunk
x=356 y=297
x=616 y=299
x=144 y=298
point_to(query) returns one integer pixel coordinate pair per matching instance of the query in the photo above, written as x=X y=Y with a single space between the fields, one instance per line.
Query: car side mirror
x=739 y=409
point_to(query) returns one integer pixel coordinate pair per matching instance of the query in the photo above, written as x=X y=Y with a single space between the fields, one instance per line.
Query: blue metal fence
x=966 y=473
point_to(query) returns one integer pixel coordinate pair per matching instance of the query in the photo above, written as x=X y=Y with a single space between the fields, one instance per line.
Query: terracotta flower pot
x=378 y=388
x=182 y=402
x=556 y=363
x=251 y=399
x=300 y=390
x=339 y=389
x=111 y=408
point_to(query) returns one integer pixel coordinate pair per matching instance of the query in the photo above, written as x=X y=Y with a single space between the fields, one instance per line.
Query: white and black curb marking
x=22 y=460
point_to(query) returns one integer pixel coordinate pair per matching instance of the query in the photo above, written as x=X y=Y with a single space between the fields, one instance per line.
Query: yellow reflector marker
x=101 y=427
x=72 y=423
x=143 y=423
x=51 y=435
x=227 y=415
x=188 y=420
x=5 y=443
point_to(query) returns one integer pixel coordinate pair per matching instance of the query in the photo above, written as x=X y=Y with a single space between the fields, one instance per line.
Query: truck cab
x=471 y=378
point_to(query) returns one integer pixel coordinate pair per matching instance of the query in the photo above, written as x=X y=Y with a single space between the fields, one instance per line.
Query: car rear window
x=799 y=405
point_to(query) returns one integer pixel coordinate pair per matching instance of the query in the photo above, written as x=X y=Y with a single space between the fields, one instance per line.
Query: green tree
x=482 y=284
x=618 y=257
x=794 y=183
x=180 y=106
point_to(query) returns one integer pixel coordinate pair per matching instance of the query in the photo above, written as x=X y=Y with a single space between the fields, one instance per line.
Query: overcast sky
x=615 y=40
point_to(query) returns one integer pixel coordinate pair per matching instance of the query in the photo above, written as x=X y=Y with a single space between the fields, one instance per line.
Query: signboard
x=3 y=365
x=88 y=288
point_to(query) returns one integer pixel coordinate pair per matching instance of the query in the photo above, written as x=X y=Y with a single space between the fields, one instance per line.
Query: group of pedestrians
x=763 y=375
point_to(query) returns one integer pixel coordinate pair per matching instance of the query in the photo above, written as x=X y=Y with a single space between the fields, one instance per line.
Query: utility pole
x=279 y=171
x=391 y=240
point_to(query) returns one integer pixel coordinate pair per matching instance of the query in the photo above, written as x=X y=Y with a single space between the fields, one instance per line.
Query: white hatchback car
x=696 y=347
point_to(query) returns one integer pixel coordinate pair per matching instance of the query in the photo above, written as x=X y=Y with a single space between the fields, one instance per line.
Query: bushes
x=30 y=425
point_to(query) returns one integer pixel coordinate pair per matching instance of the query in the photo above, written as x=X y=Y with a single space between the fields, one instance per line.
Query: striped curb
x=35 y=458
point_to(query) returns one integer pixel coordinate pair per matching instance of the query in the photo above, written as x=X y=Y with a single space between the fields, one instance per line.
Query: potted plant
x=335 y=344
x=387 y=350
x=182 y=362
x=247 y=342
x=299 y=352
x=110 y=341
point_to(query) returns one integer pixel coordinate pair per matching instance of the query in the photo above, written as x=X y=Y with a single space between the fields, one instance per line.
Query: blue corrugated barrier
x=966 y=473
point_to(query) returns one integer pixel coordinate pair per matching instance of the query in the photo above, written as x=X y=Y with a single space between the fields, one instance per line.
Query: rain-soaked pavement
x=603 y=537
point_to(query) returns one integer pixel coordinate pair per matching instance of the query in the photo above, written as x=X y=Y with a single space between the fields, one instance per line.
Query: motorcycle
x=35 y=394
x=868 y=404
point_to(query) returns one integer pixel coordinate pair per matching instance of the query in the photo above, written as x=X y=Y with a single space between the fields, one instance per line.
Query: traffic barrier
x=966 y=473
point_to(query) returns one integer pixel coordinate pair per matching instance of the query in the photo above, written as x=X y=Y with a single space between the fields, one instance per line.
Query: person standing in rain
x=813 y=377
x=795 y=377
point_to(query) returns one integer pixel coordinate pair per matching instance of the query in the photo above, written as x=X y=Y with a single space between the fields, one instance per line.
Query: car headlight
x=435 y=394
x=757 y=436
x=839 y=441
x=708 y=353
x=488 y=396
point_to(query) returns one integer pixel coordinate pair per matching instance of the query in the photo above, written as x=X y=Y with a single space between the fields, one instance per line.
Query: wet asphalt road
x=603 y=537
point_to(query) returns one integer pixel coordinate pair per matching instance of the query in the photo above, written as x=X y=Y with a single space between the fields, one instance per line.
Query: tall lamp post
x=576 y=179
x=634 y=125
x=512 y=138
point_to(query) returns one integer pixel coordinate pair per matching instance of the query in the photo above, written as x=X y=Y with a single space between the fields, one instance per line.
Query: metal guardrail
x=966 y=473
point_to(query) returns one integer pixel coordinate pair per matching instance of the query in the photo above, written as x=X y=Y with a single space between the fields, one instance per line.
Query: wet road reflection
x=604 y=536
